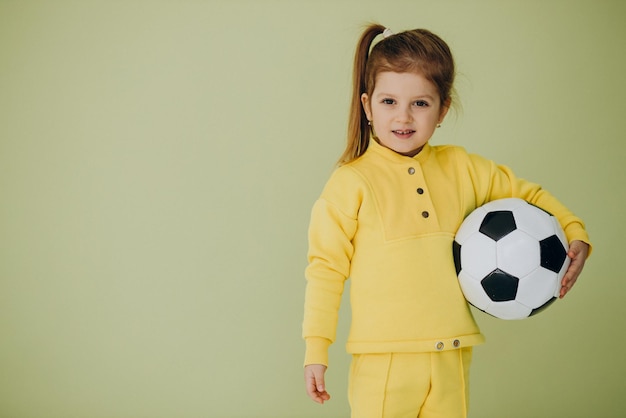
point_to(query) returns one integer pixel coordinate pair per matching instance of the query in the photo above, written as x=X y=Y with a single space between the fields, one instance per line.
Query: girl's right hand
x=314 y=381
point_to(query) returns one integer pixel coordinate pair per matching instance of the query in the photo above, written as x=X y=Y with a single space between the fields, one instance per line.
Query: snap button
x=411 y=170
x=425 y=214
x=439 y=346
x=456 y=343
x=420 y=190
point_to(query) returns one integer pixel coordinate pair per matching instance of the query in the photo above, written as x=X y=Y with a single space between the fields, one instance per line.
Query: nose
x=404 y=115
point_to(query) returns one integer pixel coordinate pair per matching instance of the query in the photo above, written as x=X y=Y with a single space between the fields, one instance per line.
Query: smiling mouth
x=406 y=132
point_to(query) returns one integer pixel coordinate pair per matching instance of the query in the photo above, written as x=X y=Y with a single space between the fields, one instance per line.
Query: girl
x=387 y=219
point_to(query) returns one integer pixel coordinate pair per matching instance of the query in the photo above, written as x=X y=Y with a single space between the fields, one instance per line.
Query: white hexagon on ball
x=473 y=290
x=537 y=288
x=508 y=310
x=537 y=223
x=518 y=253
x=478 y=255
x=470 y=225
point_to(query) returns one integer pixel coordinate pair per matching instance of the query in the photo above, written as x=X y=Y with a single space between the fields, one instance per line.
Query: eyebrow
x=422 y=96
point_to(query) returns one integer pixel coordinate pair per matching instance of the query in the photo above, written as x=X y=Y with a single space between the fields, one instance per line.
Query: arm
x=333 y=225
x=330 y=252
x=491 y=182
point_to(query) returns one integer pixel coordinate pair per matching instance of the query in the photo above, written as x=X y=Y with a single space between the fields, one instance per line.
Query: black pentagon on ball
x=500 y=286
x=498 y=224
x=552 y=253
x=456 y=253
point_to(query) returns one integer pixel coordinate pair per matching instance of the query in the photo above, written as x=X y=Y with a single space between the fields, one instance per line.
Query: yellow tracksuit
x=387 y=222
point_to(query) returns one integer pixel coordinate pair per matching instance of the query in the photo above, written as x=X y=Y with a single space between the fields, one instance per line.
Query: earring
x=369 y=123
x=438 y=125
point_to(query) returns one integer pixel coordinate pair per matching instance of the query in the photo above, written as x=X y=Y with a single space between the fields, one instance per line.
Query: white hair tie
x=387 y=33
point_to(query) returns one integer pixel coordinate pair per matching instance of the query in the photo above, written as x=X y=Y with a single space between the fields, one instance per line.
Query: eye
x=421 y=103
x=388 y=101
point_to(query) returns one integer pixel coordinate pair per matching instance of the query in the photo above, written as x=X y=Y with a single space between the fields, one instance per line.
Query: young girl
x=387 y=219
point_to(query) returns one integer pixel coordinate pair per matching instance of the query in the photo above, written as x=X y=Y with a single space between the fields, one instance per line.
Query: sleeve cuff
x=316 y=351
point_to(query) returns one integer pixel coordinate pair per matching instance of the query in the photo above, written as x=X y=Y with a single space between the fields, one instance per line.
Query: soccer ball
x=510 y=257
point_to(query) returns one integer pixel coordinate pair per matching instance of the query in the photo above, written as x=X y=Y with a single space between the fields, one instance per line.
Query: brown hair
x=418 y=51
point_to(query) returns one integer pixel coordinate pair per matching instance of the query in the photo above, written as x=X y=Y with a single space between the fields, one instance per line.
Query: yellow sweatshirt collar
x=393 y=156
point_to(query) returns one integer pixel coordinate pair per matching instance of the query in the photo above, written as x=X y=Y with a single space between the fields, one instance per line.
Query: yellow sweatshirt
x=388 y=221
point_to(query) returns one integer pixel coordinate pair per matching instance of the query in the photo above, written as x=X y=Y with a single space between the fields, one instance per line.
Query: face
x=404 y=111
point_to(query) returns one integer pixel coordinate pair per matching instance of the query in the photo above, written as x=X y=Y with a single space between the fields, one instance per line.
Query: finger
x=319 y=397
x=568 y=281
x=319 y=381
x=314 y=394
x=573 y=271
x=311 y=388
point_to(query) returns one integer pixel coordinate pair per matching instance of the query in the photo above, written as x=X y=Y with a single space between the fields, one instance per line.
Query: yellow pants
x=410 y=385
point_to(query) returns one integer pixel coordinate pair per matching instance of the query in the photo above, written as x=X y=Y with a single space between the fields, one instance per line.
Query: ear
x=367 y=108
x=444 y=110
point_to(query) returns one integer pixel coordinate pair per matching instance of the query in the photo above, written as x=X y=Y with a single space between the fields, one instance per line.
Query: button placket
x=424 y=209
x=420 y=191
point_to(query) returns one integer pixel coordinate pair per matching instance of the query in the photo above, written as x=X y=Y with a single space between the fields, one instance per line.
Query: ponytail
x=359 y=130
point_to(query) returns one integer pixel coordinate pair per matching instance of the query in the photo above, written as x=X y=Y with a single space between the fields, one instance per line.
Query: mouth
x=404 y=133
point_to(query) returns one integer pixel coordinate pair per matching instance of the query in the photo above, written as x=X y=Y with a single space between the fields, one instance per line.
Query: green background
x=158 y=163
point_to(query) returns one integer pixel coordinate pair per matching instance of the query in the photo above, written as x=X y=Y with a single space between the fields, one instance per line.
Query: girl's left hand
x=578 y=251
